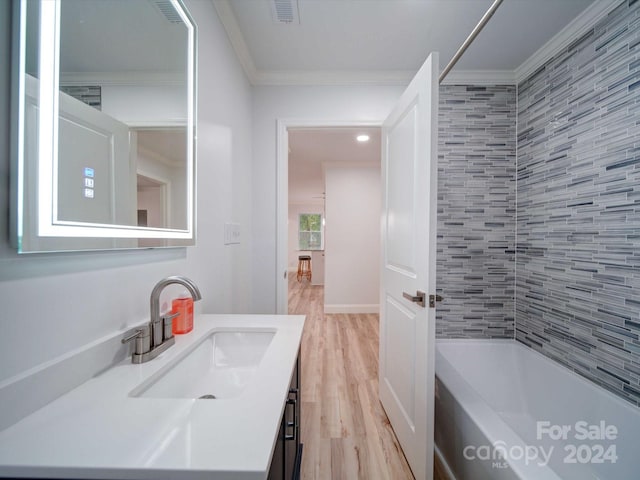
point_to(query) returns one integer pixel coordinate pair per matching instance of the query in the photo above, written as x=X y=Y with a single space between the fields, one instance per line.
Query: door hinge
x=433 y=299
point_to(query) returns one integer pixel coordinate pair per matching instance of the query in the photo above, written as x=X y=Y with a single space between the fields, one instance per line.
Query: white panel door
x=91 y=139
x=407 y=329
x=87 y=138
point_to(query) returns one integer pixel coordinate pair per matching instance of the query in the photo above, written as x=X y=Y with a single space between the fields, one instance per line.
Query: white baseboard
x=362 y=308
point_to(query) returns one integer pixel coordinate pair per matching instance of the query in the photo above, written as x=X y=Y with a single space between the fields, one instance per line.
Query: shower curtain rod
x=483 y=21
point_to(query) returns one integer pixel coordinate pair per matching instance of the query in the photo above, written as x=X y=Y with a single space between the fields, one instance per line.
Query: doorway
x=334 y=211
x=408 y=239
x=152 y=203
x=314 y=148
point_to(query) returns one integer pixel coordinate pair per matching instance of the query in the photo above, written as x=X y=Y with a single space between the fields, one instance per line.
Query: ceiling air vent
x=166 y=9
x=285 y=11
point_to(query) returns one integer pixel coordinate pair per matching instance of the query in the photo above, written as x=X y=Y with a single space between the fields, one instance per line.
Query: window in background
x=310 y=231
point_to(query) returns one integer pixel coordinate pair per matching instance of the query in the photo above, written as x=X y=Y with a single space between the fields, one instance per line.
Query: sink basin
x=219 y=366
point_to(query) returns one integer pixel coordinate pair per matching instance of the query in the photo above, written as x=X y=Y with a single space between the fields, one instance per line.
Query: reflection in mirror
x=105 y=148
x=161 y=176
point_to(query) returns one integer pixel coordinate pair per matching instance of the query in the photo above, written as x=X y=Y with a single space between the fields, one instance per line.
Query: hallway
x=345 y=431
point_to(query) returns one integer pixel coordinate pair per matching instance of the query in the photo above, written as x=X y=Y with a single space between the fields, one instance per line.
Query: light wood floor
x=345 y=431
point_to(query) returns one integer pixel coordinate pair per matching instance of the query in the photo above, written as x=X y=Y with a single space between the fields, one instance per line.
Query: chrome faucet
x=157 y=336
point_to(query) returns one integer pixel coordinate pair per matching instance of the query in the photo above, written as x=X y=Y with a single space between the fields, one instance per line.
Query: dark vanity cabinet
x=287 y=454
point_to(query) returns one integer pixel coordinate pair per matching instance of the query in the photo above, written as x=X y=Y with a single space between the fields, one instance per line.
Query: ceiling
x=167 y=145
x=387 y=40
x=312 y=148
x=94 y=34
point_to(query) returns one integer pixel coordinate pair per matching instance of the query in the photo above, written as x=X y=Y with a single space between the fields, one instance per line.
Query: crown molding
x=158 y=157
x=333 y=77
x=121 y=78
x=305 y=203
x=480 y=77
x=230 y=24
x=378 y=77
x=580 y=25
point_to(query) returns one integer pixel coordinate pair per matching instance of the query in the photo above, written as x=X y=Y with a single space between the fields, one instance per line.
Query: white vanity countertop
x=99 y=431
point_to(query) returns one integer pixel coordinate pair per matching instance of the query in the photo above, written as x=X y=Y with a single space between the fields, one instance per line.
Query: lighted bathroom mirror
x=104 y=106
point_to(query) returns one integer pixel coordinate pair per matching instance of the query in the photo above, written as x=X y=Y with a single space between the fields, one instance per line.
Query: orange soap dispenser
x=183 y=306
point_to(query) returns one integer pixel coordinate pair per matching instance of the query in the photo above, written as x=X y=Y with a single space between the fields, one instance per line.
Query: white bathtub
x=500 y=396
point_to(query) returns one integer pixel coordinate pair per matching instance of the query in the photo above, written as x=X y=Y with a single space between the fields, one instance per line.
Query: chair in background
x=304 y=267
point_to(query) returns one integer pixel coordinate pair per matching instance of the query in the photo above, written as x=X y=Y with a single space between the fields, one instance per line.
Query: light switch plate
x=232 y=233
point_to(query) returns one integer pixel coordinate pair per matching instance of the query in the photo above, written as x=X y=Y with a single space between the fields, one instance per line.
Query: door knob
x=419 y=297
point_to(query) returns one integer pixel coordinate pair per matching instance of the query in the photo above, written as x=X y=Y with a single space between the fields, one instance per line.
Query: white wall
x=359 y=103
x=51 y=304
x=352 y=239
x=145 y=104
x=296 y=209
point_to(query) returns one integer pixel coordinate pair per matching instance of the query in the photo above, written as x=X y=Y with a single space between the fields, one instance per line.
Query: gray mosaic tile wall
x=476 y=211
x=578 y=209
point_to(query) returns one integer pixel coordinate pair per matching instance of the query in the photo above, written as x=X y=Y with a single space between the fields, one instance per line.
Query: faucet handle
x=167 y=325
x=142 y=337
x=131 y=336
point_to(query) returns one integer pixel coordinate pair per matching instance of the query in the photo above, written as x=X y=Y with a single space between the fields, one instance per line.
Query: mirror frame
x=48 y=224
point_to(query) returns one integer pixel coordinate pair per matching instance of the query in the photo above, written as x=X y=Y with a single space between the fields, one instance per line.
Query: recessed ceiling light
x=362 y=138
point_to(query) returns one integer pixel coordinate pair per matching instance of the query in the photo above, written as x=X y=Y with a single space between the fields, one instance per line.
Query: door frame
x=165 y=188
x=282 y=192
